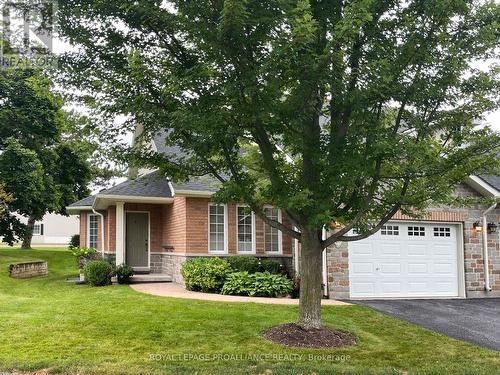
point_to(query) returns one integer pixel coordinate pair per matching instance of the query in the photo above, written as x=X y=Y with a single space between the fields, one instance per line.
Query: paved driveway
x=473 y=320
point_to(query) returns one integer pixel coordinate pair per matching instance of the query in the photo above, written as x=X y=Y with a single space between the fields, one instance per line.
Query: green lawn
x=46 y=323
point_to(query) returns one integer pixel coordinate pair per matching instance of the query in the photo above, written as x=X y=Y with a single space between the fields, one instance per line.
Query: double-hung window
x=272 y=236
x=92 y=227
x=217 y=232
x=245 y=230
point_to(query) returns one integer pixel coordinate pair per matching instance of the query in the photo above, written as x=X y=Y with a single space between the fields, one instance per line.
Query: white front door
x=409 y=259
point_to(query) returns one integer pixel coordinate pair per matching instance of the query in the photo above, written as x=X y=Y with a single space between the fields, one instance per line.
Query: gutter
x=487 y=285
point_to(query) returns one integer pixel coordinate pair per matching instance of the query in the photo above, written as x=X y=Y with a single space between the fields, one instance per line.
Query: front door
x=137 y=239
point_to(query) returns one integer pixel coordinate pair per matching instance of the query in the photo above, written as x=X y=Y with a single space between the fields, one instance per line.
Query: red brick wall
x=83 y=229
x=197 y=228
x=197 y=225
x=174 y=225
x=110 y=229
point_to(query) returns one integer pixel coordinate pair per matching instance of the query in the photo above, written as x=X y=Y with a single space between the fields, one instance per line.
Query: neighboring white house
x=53 y=230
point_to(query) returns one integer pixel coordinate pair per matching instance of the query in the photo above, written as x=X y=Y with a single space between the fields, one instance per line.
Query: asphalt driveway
x=473 y=320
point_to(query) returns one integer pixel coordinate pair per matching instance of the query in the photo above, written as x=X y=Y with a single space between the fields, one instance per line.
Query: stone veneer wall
x=170 y=263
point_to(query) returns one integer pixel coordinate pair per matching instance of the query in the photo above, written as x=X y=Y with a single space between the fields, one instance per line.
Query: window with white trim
x=272 y=235
x=37 y=230
x=442 y=232
x=390 y=230
x=92 y=227
x=416 y=231
x=244 y=227
x=216 y=228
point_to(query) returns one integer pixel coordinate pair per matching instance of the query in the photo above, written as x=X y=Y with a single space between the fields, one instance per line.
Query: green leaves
x=343 y=111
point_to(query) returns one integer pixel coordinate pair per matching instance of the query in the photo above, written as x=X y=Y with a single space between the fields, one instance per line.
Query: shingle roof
x=492 y=180
x=88 y=201
x=150 y=185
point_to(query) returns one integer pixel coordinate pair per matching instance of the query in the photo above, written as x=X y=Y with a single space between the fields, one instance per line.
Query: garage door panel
x=415 y=250
x=389 y=249
x=362 y=249
x=418 y=268
x=406 y=264
x=390 y=268
x=359 y=268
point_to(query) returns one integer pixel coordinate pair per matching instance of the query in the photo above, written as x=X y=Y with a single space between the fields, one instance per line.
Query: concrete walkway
x=177 y=291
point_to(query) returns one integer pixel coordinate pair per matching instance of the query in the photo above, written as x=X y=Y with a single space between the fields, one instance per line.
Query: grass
x=46 y=323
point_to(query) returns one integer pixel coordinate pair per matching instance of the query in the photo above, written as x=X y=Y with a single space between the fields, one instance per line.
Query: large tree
x=40 y=166
x=347 y=111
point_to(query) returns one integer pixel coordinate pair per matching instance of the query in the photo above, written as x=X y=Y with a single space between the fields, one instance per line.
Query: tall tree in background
x=348 y=110
x=38 y=166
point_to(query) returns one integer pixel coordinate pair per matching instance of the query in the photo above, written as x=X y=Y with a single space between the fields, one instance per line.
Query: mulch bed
x=291 y=334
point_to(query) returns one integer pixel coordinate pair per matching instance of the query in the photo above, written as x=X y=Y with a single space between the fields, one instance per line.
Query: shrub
x=259 y=284
x=205 y=274
x=98 y=273
x=74 y=241
x=123 y=274
x=244 y=263
x=271 y=266
x=237 y=284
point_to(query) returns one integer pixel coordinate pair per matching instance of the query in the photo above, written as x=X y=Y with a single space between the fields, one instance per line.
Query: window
x=217 y=228
x=38 y=230
x=416 y=231
x=390 y=230
x=92 y=226
x=272 y=236
x=245 y=225
x=442 y=232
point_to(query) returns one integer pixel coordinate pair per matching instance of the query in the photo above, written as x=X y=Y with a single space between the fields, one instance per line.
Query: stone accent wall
x=170 y=263
x=337 y=264
x=28 y=269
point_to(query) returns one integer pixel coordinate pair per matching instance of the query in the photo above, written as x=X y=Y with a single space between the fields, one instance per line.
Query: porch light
x=335 y=225
x=478 y=227
x=492 y=227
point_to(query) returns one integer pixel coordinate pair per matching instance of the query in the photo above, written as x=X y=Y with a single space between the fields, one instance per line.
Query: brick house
x=154 y=225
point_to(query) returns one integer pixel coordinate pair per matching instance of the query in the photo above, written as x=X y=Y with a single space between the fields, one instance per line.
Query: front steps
x=150 y=278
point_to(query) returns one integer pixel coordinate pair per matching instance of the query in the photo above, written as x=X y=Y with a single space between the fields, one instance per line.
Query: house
x=53 y=230
x=154 y=225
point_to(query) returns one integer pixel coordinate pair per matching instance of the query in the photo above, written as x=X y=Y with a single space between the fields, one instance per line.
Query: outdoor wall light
x=492 y=227
x=478 y=227
x=335 y=225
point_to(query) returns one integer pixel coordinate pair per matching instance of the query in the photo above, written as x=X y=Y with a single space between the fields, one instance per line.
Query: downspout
x=324 y=268
x=102 y=229
x=485 y=249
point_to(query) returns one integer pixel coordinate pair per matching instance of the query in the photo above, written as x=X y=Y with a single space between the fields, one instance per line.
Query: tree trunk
x=310 y=280
x=29 y=233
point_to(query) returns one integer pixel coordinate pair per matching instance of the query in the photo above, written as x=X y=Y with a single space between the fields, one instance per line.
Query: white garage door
x=405 y=260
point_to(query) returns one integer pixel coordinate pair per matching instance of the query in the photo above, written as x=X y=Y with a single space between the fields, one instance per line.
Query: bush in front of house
x=124 y=273
x=243 y=263
x=74 y=241
x=259 y=284
x=98 y=273
x=271 y=266
x=205 y=274
x=85 y=254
